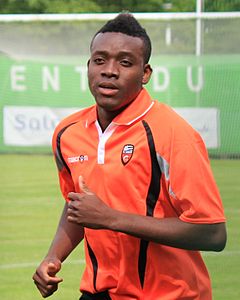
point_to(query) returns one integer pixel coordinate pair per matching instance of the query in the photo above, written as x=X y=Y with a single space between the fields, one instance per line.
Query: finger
x=53 y=268
x=47 y=291
x=73 y=196
x=38 y=280
x=72 y=206
x=51 y=288
x=83 y=186
x=46 y=280
x=47 y=277
x=71 y=219
x=42 y=289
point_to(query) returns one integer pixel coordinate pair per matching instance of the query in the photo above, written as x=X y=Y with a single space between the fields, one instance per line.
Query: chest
x=115 y=164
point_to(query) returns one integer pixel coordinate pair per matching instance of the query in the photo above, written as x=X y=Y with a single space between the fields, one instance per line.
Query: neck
x=105 y=117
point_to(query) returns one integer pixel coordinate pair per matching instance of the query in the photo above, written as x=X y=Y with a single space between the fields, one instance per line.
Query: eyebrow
x=119 y=54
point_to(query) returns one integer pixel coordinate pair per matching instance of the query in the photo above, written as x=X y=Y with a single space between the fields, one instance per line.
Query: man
x=137 y=184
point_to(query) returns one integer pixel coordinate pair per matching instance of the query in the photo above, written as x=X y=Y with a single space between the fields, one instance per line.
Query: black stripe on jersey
x=152 y=197
x=58 y=154
x=94 y=264
x=154 y=188
x=99 y=296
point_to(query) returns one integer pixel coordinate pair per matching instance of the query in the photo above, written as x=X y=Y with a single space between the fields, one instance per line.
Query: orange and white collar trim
x=138 y=108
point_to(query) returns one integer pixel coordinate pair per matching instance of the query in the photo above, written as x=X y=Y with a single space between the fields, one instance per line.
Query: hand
x=44 y=277
x=87 y=209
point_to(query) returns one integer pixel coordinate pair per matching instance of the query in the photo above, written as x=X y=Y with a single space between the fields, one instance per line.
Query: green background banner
x=180 y=81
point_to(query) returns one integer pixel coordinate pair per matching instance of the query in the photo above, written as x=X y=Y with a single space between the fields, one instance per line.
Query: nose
x=110 y=69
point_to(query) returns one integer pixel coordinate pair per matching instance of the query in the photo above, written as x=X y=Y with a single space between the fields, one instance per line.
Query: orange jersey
x=149 y=161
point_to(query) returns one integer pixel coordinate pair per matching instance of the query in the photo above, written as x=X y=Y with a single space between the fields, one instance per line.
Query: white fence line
x=108 y=16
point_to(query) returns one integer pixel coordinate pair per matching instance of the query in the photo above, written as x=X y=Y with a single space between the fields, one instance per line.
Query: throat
x=103 y=124
x=105 y=117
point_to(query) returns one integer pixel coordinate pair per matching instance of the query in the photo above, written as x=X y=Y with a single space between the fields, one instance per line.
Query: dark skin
x=117 y=72
x=88 y=210
x=67 y=237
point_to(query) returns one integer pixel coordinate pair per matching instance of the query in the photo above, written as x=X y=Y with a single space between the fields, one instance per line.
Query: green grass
x=224 y=267
x=30 y=206
x=29 y=211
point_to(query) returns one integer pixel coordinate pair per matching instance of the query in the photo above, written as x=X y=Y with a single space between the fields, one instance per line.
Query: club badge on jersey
x=127 y=153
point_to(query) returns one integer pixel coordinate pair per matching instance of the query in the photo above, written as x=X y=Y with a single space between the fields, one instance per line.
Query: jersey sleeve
x=64 y=174
x=193 y=190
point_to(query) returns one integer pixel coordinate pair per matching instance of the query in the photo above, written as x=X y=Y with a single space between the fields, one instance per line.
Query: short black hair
x=127 y=24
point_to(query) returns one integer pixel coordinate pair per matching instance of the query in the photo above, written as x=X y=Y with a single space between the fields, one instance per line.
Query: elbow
x=220 y=238
x=220 y=245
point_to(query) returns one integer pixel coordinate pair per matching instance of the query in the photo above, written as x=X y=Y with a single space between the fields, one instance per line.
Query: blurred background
x=43 y=65
x=44 y=48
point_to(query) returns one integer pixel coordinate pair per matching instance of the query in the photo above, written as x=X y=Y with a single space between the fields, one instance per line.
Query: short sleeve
x=64 y=174
x=194 y=192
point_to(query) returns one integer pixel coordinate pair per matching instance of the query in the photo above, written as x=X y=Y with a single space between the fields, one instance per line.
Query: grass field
x=30 y=206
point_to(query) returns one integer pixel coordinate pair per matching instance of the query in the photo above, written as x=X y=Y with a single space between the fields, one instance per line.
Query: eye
x=98 y=60
x=126 y=63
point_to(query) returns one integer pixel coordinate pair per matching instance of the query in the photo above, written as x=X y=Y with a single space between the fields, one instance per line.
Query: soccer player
x=137 y=182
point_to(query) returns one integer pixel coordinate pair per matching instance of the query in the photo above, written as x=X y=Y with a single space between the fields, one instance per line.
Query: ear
x=147 y=73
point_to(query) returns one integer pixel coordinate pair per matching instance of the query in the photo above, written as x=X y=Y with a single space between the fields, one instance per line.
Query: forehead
x=115 y=42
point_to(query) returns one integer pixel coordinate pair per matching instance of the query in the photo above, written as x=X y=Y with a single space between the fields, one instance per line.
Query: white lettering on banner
x=49 y=78
x=205 y=121
x=166 y=79
x=17 y=76
x=34 y=126
x=31 y=126
x=22 y=122
x=199 y=85
x=83 y=77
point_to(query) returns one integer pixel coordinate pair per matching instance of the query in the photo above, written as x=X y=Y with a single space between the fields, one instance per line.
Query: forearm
x=67 y=237
x=89 y=211
x=170 y=231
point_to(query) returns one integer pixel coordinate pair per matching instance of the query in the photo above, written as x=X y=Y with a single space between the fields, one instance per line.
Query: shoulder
x=78 y=117
x=166 y=120
x=171 y=132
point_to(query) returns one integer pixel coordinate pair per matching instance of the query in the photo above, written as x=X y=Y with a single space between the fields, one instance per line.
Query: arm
x=89 y=211
x=171 y=231
x=67 y=237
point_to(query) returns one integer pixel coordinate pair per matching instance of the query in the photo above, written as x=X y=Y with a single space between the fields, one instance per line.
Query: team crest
x=127 y=153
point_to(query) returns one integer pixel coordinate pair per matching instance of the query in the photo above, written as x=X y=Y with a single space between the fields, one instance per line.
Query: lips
x=107 y=88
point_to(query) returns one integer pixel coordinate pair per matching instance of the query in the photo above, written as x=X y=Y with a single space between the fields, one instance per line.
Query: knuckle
x=51 y=289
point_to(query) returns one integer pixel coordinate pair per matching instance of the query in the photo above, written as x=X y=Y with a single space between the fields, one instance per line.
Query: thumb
x=53 y=268
x=83 y=186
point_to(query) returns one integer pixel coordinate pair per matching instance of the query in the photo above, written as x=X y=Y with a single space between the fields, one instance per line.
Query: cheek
x=135 y=81
x=136 y=75
x=91 y=73
x=91 y=80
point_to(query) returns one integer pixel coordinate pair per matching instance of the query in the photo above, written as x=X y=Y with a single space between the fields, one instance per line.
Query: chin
x=109 y=107
x=107 y=103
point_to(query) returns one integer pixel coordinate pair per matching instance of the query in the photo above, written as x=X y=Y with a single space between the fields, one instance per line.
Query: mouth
x=107 y=88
